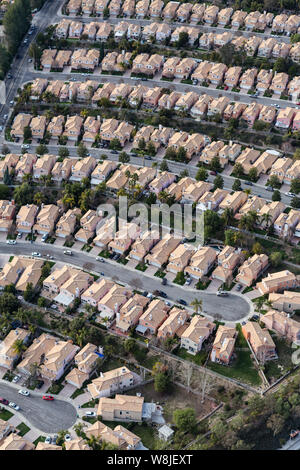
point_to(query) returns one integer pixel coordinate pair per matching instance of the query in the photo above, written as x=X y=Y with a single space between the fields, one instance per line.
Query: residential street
x=47 y=416
x=233 y=308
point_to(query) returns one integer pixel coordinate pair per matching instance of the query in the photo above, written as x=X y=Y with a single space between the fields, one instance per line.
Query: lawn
x=198 y=359
x=39 y=439
x=5 y=414
x=275 y=369
x=77 y=392
x=23 y=429
x=144 y=431
x=160 y=274
x=90 y=404
x=241 y=369
x=55 y=388
x=141 y=267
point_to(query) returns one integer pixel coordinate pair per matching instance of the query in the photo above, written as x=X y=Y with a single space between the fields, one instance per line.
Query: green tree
x=274 y=182
x=202 y=174
x=295 y=186
x=276 y=258
x=161 y=382
x=218 y=182
x=82 y=151
x=276 y=196
x=124 y=157
x=41 y=149
x=185 y=419
x=236 y=185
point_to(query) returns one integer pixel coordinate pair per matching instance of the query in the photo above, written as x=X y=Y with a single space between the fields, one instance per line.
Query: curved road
x=47 y=416
x=232 y=308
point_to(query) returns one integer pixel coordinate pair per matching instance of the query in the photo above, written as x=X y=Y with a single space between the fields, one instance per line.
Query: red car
x=48 y=398
x=4 y=401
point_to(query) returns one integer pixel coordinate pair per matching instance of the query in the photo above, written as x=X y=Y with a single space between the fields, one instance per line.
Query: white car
x=35 y=253
x=23 y=392
x=16 y=378
x=11 y=242
x=14 y=406
x=68 y=438
x=90 y=414
x=25 y=146
x=222 y=293
x=290 y=194
x=48 y=440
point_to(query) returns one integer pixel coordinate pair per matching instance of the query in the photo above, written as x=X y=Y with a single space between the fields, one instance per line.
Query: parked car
x=23 y=392
x=16 y=378
x=40 y=384
x=48 y=440
x=48 y=397
x=68 y=438
x=14 y=405
x=249 y=183
x=188 y=281
x=20 y=234
x=68 y=252
x=11 y=242
x=289 y=194
x=90 y=414
x=36 y=253
x=164 y=281
x=44 y=237
x=182 y=302
x=4 y=401
x=222 y=293
x=100 y=259
x=239 y=286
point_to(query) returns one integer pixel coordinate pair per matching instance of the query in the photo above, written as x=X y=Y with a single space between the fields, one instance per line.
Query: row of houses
x=80 y=59
x=198 y=106
x=187 y=12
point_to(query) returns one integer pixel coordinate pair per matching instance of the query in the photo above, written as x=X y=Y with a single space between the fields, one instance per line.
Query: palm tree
x=197 y=304
x=19 y=347
x=94 y=442
x=266 y=218
x=228 y=216
x=78 y=428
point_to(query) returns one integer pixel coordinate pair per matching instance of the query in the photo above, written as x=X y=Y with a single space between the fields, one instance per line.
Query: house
x=62 y=59
x=295 y=52
x=279 y=83
x=88 y=225
x=75 y=29
x=211 y=14
x=102 y=171
x=201 y=262
x=114 y=8
x=183 y=12
x=121 y=408
x=143 y=244
x=134 y=32
x=248 y=78
x=173 y=324
x=201 y=106
x=143 y=134
x=37 y=87
x=285 y=117
x=162 y=181
x=66 y=224
x=43 y=446
x=232 y=76
x=279 y=22
x=26 y=218
x=46 y=219
x=160 y=253
x=193 y=191
x=62 y=170
x=62 y=28
x=141 y=8
x=153 y=317
x=216 y=73
x=72 y=288
x=56 y=126
x=21 y=271
x=91 y=129
x=169 y=11
x=285 y=224
x=280 y=167
x=264 y=79
x=180 y=258
x=155 y=9
x=260 y=341
x=8 y=164
x=21 y=121
x=238 y=18
x=111 y=303
x=15 y=442
x=266 y=47
x=277 y=282
x=207 y=40
x=83 y=168
x=43 y=166
x=123 y=132
x=185 y=67
x=149 y=32
x=24 y=165
x=86 y=90
x=85 y=59
x=211 y=201
x=227 y=261
x=56 y=279
x=119 y=437
x=8 y=354
x=269 y=213
x=233 y=201
x=151 y=97
x=253 y=203
x=73 y=127
x=223 y=345
x=292 y=172
x=47 y=59
x=234 y=110
x=294 y=88
x=186 y=101
x=217 y=106
x=251 y=46
x=161 y=136
x=96 y=291
x=211 y=151
x=124 y=238
x=221 y=40
x=53 y=355
x=77 y=444
x=224 y=16
x=195 y=334
x=267 y=114
x=251 y=113
x=7 y=213
x=130 y=312
x=103 y=92
x=265 y=161
x=100 y=6
x=85 y=360
x=251 y=269
x=111 y=382
x=288 y=301
x=104 y=31
x=282 y=324
x=281 y=49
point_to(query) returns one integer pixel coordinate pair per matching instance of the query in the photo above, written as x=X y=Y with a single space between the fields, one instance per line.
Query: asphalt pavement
x=233 y=308
x=47 y=416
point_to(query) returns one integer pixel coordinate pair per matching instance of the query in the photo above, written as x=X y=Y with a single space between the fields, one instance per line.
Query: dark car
x=4 y=401
x=248 y=183
x=148 y=157
x=160 y=293
x=182 y=302
x=115 y=152
x=164 y=282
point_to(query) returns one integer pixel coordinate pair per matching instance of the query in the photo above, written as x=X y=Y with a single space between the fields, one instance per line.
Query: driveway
x=47 y=416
